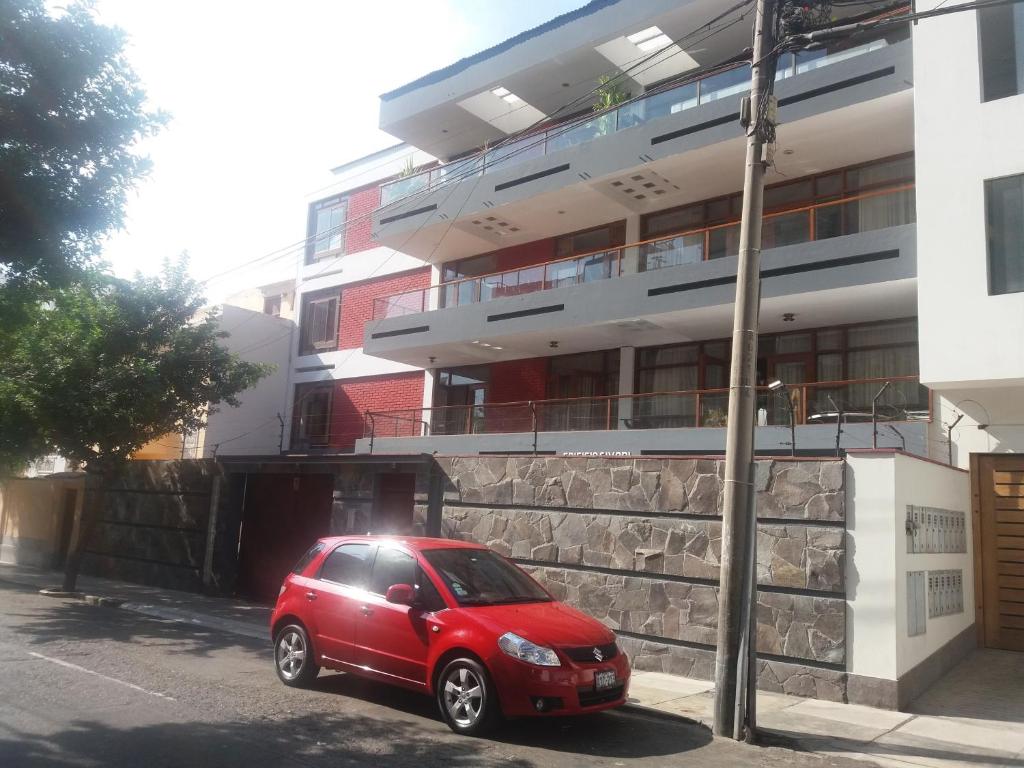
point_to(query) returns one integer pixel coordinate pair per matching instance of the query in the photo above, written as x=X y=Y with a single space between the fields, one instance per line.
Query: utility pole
x=736 y=613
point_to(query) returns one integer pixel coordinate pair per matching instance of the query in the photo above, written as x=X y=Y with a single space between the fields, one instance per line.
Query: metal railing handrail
x=394 y=299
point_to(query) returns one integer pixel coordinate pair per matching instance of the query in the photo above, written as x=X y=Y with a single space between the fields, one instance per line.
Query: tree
x=71 y=112
x=103 y=366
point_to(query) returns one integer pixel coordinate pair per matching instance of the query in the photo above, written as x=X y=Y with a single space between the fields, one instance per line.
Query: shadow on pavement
x=619 y=734
x=61 y=619
x=327 y=740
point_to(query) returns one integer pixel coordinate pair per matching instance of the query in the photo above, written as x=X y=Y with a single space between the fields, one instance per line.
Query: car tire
x=293 y=656
x=467 y=697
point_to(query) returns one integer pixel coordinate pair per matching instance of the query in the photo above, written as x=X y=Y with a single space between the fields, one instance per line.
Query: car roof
x=417 y=543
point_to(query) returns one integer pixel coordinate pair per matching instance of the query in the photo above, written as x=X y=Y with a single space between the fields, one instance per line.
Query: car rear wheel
x=293 y=656
x=467 y=697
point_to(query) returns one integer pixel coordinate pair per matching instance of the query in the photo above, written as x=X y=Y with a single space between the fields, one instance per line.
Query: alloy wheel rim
x=291 y=654
x=463 y=696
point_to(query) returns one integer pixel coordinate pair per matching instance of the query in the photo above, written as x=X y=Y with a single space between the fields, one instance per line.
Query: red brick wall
x=358 y=221
x=357 y=302
x=515 y=380
x=353 y=397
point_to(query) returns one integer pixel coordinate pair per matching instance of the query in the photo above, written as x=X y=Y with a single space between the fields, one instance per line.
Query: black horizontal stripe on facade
x=531 y=177
x=675 y=578
x=400 y=332
x=796 y=269
x=689 y=516
x=516 y=453
x=526 y=312
x=833 y=87
x=794 y=99
x=696 y=128
x=796 y=660
x=408 y=214
x=148 y=560
x=310 y=368
x=153 y=526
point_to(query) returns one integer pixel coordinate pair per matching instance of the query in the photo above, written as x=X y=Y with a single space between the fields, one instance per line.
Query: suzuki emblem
x=598 y=655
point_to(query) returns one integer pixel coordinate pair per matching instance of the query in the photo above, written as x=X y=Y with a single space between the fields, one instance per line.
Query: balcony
x=660 y=103
x=686 y=139
x=821 y=221
x=823 y=412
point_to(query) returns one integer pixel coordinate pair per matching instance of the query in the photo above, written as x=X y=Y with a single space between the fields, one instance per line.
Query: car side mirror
x=401 y=594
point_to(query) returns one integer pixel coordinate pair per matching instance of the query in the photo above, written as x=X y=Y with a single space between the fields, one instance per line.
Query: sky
x=264 y=98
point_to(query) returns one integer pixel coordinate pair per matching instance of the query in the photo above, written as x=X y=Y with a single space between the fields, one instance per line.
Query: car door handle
x=366 y=610
x=311 y=595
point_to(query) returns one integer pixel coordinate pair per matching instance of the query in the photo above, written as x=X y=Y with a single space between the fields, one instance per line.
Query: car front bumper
x=526 y=690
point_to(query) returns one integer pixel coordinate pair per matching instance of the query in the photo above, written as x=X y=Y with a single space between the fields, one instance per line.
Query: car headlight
x=520 y=648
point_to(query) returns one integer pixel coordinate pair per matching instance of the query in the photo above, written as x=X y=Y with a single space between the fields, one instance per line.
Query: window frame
x=987 y=187
x=310 y=301
x=269 y=302
x=302 y=393
x=370 y=558
x=313 y=237
x=982 y=47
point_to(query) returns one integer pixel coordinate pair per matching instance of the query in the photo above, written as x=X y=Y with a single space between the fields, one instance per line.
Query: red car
x=450 y=619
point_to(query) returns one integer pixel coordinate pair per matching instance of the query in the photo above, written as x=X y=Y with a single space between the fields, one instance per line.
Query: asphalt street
x=82 y=685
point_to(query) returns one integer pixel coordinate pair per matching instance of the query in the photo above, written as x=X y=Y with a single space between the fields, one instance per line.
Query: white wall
x=993 y=422
x=871 y=565
x=926 y=484
x=968 y=338
x=253 y=428
x=880 y=485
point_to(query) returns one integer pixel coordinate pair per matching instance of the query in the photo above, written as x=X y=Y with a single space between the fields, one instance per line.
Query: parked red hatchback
x=450 y=619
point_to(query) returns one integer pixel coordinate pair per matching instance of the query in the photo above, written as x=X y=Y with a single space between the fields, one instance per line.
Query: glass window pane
x=686 y=249
x=793 y=342
x=1001 y=40
x=728 y=83
x=830 y=340
x=669 y=355
x=788 y=195
x=391 y=567
x=830 y=367
x=786 y=229
x=828 y=186
x=897 y=332
x=724 y=241
x=348 y=564
x=887 y=172
x=1004 y=204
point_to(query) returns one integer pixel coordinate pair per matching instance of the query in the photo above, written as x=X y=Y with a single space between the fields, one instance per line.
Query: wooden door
x=999 y=488
x=393 y=503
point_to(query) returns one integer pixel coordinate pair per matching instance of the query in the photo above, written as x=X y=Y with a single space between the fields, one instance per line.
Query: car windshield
x=481 y=577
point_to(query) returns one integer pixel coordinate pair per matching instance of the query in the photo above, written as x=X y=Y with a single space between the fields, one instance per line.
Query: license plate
x=604 y=678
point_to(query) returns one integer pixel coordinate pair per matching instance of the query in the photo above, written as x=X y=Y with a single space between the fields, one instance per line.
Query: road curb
x=649 y=711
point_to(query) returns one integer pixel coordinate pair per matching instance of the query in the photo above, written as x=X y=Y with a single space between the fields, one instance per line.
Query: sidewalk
x=234 y=616
x=974 y=717
x=938 y=734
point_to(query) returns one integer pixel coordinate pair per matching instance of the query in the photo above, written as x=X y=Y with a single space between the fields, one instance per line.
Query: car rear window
x=307 y=558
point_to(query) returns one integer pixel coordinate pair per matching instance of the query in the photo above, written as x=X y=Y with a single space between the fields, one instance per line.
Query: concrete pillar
x=627 y=365
x=631 y=256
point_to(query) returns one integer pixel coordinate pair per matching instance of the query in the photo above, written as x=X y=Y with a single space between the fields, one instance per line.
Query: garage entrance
x=999 y=530
x=283 y=514
x=393 y=500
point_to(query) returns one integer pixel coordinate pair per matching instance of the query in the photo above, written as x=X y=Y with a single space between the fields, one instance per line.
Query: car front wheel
x=293 y=656
x=467 y=697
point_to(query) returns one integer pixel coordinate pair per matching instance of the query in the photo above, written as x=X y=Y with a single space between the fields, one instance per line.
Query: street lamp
x=779 y=386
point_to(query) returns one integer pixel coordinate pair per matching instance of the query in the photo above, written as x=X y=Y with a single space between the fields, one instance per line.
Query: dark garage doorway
x=393 y=500
x=283 y=514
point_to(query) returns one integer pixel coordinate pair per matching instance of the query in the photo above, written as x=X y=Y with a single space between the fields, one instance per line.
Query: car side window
x=349 y=564
x=430 y=599
x=392 y=566
x=307 y=558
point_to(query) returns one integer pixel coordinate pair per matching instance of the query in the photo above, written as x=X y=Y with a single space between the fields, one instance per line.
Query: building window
x=319 y=323
x=1001 y=40
x=311 y=416
x=1004 y=225
x=272 y=305
x=326 y=229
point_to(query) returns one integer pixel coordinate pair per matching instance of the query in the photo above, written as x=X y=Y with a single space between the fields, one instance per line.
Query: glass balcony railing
x=828 y=402
x=730 y=83
x=873 y=210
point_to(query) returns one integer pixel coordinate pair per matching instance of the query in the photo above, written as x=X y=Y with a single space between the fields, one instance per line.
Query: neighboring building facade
x=342 y=273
